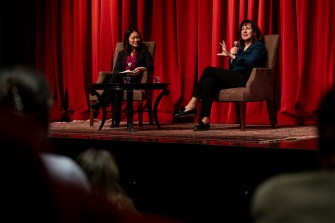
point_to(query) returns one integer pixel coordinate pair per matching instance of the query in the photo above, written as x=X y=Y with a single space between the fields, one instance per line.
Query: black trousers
x=212 y=80
x=115 y=97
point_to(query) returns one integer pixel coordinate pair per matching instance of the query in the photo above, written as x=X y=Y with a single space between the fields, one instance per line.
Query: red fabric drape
x=76 y=39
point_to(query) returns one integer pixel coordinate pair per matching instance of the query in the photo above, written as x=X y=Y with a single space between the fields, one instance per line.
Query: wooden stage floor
x=285 y=137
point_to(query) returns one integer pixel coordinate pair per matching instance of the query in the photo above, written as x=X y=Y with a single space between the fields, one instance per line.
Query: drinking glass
x=156 y=79
x=126 y=80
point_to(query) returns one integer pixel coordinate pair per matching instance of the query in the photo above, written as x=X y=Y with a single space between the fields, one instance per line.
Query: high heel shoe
x=202 y=127
x=182 y=113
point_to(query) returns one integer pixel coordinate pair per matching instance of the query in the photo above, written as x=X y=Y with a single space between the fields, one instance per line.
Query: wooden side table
x=130 y=88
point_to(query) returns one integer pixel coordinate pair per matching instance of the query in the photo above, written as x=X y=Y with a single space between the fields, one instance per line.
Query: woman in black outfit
x=251 y=53
x=134 y=57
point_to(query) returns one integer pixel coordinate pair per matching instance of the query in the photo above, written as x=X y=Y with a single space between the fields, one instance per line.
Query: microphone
x=235 y=45
x=130 y=64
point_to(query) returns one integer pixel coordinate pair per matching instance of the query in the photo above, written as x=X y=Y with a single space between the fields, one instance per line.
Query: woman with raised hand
x=243 y=58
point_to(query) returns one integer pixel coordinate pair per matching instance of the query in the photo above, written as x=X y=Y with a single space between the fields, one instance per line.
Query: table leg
x=103 y=117
x=94 y=92
x=158 y=99
x=130 y=111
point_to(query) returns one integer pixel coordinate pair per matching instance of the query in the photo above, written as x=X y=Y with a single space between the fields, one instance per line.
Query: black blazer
x=143 y=59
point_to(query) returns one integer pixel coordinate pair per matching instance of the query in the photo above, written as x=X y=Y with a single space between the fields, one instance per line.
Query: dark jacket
x=143 y=59
x=254 y=56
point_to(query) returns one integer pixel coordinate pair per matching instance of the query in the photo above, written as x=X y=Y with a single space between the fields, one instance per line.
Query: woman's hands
x=139 y=70
x=224 y=49
x=231 y=54
x=233 y=50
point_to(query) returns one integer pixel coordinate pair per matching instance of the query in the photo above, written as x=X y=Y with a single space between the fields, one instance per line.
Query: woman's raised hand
x=224 y=49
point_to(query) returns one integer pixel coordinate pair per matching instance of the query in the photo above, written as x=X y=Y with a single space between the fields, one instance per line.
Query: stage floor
x=286 y=137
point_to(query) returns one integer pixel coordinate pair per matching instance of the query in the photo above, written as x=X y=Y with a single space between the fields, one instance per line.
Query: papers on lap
x=127 y=72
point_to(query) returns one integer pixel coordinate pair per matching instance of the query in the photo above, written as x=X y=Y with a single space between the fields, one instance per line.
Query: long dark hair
x=126 y=45
x=258 y=35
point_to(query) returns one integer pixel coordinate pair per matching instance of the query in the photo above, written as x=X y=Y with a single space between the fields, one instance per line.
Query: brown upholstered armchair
x=260 y=86
x=139 y=96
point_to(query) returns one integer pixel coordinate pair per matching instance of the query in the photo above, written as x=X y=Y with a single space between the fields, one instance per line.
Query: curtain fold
x=76 y=39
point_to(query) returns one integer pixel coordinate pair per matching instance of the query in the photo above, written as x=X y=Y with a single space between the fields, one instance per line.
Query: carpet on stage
x=182 y=131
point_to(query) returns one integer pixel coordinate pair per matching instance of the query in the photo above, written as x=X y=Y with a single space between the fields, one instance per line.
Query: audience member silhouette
x=102 y=171
x=29 y=192
x=307 y=196
x=26 y=94
x=65 y=169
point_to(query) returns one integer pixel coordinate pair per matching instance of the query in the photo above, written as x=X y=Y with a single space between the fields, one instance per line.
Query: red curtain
x=76 y=40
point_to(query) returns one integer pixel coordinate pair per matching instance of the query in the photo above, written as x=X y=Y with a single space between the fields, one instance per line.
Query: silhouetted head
x=101 y=169
x=25 y=93
x=326 y=129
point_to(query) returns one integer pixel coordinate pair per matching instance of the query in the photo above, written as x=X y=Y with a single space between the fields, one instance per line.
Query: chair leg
x=140 y=114
x=149 y=106
x=271 y=113
x=242 y=106
x=90 y=112
x=237 y=113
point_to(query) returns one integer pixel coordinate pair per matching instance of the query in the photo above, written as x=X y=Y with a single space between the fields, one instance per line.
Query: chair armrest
x=145 y=77
x=260 y=84
x=103 y=76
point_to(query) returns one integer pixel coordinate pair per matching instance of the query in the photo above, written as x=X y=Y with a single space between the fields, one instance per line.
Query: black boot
x=115 y=124
x=96 y=107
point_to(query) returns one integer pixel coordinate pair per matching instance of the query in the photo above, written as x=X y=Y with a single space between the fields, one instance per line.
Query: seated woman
x=134 y=57
x=251 y=53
